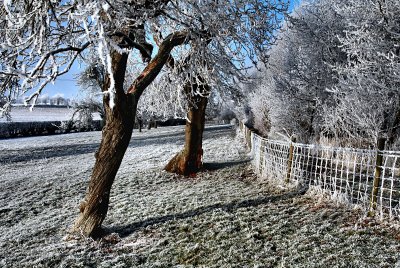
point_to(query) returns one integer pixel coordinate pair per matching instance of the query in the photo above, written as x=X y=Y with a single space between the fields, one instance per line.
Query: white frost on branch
x=48 y=37
x=334 y=74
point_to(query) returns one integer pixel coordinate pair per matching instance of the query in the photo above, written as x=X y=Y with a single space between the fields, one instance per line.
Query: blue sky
x=66 y=84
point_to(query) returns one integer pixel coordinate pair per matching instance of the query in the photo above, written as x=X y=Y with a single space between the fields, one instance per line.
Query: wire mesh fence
x=369 y=178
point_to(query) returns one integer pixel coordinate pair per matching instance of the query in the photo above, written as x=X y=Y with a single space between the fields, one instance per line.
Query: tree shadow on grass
x=129 y=229
x=46 y=152
x=211 y=166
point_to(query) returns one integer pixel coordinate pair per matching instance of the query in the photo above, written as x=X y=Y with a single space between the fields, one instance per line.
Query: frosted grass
x=224 y=217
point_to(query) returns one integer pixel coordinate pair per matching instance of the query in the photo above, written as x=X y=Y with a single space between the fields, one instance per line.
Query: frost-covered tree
x=335 y=73
x=211 y=41
x=367 y=95
x=292 y=88
x=161 y=101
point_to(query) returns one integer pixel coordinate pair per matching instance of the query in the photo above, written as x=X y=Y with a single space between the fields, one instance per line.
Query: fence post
x=248 y=138
x=290 y=160
x=262 y=155
x=377 y=176
x=251 y=140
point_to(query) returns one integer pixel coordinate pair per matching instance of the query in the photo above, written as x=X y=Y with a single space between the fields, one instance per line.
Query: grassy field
x=225 y=217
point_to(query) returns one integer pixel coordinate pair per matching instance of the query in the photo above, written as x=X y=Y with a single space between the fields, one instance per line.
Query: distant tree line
x=56 y=100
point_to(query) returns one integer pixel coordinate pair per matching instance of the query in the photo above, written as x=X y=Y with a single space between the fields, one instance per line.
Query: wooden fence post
x=251 y=140
x=290 y=159
x=248 y=138
x=262 y=156
x=377 y=176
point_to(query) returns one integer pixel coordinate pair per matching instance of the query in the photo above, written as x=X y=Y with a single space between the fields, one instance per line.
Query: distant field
x=40 y=114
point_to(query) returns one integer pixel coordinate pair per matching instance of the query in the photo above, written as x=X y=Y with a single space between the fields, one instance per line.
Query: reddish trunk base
x=190 y=160
x=180 y=164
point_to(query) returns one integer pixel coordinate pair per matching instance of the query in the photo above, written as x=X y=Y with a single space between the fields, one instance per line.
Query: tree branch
x=154 y=67
x=44 y=59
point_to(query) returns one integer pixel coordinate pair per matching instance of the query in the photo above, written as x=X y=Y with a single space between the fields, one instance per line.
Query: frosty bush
x=82 y=118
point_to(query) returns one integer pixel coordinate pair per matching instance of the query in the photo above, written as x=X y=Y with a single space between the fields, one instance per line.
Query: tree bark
x=115 y=140
x=117 y=133
x=116 y=136
x=190 y=160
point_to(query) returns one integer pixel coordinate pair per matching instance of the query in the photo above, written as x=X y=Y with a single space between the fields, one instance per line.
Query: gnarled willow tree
x=212 y=40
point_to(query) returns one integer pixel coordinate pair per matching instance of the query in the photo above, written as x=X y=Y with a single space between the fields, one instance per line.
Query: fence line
x=349 y=173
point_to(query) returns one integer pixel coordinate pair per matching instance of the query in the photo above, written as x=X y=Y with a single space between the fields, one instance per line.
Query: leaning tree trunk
x=116 y=136
x=190 y=160
x=117 y=133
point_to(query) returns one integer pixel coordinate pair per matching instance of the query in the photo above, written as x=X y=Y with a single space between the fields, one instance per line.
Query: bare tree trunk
x=140 y=126
x=116 y=136
x=115 y=140
x=190 y=160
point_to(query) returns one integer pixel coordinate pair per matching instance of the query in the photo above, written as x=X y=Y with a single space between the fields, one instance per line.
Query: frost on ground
x=225 y=217
x=42 y=114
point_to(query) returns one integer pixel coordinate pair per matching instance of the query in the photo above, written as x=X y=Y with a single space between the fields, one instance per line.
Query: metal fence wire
x=349 y=173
